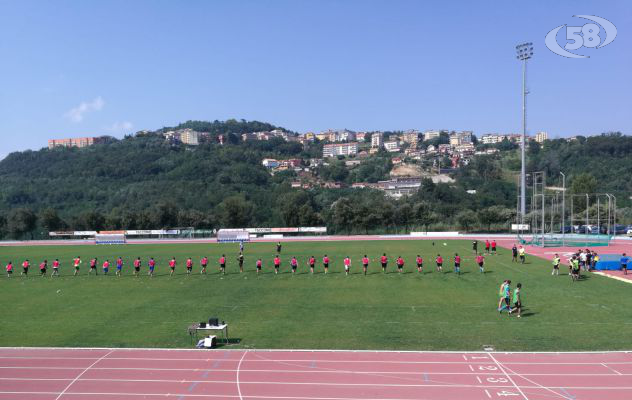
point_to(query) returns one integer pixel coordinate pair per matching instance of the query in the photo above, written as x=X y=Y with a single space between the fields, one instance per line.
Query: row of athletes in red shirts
x=222 y=261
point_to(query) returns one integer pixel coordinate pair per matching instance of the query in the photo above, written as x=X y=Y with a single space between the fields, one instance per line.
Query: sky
x=86 y=68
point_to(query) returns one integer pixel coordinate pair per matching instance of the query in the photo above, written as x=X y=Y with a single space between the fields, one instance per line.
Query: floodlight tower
x=524 y=52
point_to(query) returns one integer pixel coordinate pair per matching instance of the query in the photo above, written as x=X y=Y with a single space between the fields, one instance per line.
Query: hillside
x=147 y=182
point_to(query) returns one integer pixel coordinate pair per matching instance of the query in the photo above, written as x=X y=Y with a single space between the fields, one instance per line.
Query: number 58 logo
x=582 y=36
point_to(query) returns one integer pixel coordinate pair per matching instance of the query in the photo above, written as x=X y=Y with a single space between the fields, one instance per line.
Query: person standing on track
x=420 y=264
x=312 y=264
x=365 y=264
x=203 y=264
x=278 y=247
x=277 y=264
x=76 y=262
x=556 y=265
x=119 y=267
x=625 y=260
x=25 y=267
x=294 y=265
x=172 y=265
x=347 y=263
x=400 y=264
x=55 y=268
x=9 y=269
x=241 y=246
x=494 y=246
x=384 y=262
x=480 y=260
x=258 y=265
x=152 y=266
x=514 y=254
x=475 y=247
x=439 y=262
x=222 y=264
x=326 y=263
x=457 y=264
x=487 y=244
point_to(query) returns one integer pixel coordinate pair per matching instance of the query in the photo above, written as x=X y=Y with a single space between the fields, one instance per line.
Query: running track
x=111 y=374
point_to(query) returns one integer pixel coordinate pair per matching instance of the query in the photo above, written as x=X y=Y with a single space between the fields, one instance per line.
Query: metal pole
x=563 y=207
x=609 y=208
x=598 y=224
x=543 y=217
x=586 y=227
x=523 y=179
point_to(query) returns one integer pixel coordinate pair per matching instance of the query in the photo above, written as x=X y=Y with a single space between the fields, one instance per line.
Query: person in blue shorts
x=625 y=260
x=119 y=266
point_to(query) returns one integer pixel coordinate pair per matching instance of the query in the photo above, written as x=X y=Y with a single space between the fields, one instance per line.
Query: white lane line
x=81 y=374
x=306 y=371
x=471 y=368
x=479 y=379
x=507 y=375
x=550 y=389
x=612 y=369
x=487 y=393
x=238 y=368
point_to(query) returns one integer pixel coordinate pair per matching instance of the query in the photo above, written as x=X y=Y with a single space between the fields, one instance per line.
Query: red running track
x=111 y=374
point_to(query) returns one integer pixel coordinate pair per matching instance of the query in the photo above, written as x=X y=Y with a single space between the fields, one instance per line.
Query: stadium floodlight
x=524 y=52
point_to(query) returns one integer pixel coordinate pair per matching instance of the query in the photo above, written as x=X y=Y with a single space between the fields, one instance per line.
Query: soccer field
x=409 y=311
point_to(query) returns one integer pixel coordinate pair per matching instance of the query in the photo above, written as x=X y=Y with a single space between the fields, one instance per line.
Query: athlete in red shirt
x=203 y=263
x=152 y=266
x=312 y=263
x=439 y=261
x=326 y=263
x=457 y=264
x=420 y=263
x=222 y=264
x=55 y=268
x=487 y=246
x=106 y=267
x=9 y=269
x=93 y=266
x=365 y=264
x=25 y=267
x=493 y=246
x=172 y=265
x=384 y=262
x=277 y=264
x=137 y=263
x=480 y=260
x=294 y=265
x=347 y=263
x=400 y=264
x=259 y=265
x=43 y=267
x=189 y=265
x=76 y=262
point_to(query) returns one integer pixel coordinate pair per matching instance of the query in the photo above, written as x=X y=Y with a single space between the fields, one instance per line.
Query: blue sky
x=84 y=68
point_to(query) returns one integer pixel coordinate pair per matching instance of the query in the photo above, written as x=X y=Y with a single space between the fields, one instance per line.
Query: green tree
x=584 y=183
x=21 y=221
x=466 y=219
x=343 y=214
x=235 y=212
x=50 y=220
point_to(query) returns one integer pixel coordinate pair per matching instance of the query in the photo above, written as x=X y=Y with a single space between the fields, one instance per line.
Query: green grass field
x=410 y=311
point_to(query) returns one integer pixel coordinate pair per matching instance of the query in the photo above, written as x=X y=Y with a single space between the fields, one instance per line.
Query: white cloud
x=76 y=114
x=120 y=127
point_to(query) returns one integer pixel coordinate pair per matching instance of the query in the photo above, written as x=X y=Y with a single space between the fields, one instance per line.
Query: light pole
x=563 y=207
x=524 y=52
